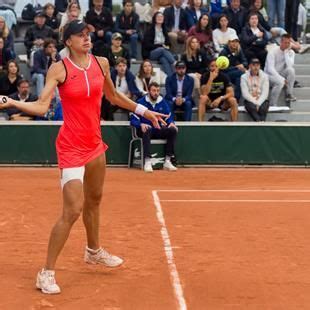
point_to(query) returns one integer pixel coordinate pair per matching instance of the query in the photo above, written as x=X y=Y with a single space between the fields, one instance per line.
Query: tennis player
x=81 y=79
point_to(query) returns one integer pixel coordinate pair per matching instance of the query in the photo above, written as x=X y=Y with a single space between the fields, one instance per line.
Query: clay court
x=210 y=239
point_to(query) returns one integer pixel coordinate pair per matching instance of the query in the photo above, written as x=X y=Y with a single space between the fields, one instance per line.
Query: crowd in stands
x=180 y=41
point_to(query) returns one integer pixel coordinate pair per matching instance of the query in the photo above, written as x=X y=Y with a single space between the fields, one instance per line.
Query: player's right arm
x=55 y=75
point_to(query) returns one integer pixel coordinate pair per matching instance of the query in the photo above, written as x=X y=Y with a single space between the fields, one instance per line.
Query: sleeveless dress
x=79 y=140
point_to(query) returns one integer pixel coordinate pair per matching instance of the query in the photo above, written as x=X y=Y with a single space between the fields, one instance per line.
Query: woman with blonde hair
x=196 y=60
x=7 y=36
x=148 y=74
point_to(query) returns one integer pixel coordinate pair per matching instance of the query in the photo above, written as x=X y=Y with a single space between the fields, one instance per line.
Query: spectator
x=42 y=60
x=124 y=80
x=291 y=18
x=72 y=9
x=154 y=102
x=236 y=15
x=276 y=12
x=222 y=33
x=196 y=62
x=61 y=5
x=127 y=23
x=147 y=75
x=217 y=7
x=22 y=94
x=8 y=39
x=51 y=19
x=194 y=11
x=5 y=55
x=237 y=63
x=179 y=89
x=175 y=22
x=255 y=91
x=144 y=9
x=203 y=32
x=36 y=34
x=216 y=92
x=72 y=15
x=254 y=40
x=9 y=80
x=101 y=19
x=113 y=52
x=280 y=69
x=156 y=44
x=106 y=3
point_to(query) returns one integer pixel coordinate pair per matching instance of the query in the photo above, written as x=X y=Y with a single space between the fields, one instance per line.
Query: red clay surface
x=229 y=255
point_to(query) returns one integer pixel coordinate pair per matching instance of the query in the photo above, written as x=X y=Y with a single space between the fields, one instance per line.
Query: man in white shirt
x=280 y=69
x=255 y=91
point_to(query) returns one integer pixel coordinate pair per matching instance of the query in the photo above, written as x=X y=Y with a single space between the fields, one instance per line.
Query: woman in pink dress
x=81 y=79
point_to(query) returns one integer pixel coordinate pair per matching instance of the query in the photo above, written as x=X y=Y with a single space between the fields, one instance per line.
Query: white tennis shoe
x=102 y=257
x=46 y=282
x=169 y=166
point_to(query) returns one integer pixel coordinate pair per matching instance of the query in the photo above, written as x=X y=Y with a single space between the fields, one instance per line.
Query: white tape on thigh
x=69 y=174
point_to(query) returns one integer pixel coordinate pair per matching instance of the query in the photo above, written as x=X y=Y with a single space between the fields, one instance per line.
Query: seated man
x=280 y=69
x=179 y=89
x=255 y=91
x=42 y=60
x=22 y=94
x=37 y=33
x=145 y=129
x=216 y=92
x=124 y=82
x=127 y=24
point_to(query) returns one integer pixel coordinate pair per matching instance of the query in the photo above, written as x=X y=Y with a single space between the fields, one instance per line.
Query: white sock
x=91 y=251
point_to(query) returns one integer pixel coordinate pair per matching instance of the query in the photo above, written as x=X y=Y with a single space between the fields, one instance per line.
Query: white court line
x=174 y=275
x=232 y=200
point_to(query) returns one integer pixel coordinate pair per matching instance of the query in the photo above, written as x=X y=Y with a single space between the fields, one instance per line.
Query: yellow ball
x=222 y=62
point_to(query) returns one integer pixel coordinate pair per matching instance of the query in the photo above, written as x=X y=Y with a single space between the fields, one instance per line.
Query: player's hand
x=155 y=118
x=5 y=102
x=214 y=74
x=145 y=127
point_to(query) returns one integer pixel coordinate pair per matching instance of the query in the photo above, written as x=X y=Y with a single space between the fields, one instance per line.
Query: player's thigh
x=94 y=178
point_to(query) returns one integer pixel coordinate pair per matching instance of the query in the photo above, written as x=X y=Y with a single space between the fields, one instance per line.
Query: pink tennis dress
x=79 y=140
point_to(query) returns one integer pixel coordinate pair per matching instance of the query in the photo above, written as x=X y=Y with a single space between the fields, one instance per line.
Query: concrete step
x=302 y=69
x=304 y=80
x=301 y=105
x=302 y=93
x=302 y=58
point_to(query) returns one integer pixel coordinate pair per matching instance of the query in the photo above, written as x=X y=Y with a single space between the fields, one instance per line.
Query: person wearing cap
x=127 y=23
x=82 y=79
x=222 y=33
x=255 y=91
x=216 y=92
x=101 y=19
x=36 y=33
x=179 y=90
x=237 y=62
x=112 y=51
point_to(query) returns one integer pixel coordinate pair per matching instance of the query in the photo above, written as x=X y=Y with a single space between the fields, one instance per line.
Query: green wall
x=208 y=143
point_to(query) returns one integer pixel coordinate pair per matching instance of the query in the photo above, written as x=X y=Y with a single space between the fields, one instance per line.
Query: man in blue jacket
x=179 y=90
x=154 y=102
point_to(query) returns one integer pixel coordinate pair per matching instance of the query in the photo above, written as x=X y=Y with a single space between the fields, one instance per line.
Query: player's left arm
x=124 y=102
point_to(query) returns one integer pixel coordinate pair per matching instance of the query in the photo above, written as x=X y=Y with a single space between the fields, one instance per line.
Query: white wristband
x=140 y=109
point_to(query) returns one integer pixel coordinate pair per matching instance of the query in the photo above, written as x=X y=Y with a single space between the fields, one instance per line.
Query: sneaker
x=304 y=48
x=168 y=166
x=148 y=166
x=290 y=98
x=133 y=59
x=46 y=282
x=102 y=257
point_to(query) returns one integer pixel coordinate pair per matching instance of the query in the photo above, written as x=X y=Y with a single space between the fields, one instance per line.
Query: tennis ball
x=222 y=62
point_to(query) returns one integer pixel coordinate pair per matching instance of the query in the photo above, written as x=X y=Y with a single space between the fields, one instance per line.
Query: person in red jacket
x=81 y=79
